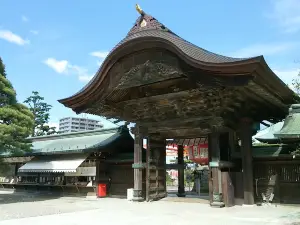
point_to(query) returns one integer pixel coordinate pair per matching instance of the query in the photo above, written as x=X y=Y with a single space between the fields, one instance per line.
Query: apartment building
x=75 y=124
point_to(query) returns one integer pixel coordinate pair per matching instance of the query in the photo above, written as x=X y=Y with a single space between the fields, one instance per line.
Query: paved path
x=27 y=210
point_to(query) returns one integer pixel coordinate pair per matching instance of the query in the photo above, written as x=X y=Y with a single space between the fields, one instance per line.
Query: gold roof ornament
x=139 y=9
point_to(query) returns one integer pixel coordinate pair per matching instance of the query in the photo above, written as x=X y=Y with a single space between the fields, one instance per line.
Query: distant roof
x=265 y=151
x=291 y=126
x=101 y=140
x=267 y=135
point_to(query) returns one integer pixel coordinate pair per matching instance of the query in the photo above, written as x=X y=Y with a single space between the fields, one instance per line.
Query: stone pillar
x=246 y=151
x=215 y=172
x=181 y=189
x=138 y=165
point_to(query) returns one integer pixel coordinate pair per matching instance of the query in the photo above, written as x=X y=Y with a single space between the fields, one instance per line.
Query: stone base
x=217 y=204
x=248 y=205
x=181 y=195
x=138 y=199
x=138 y=196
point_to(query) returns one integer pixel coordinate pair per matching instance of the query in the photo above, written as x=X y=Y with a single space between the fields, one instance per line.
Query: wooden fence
x=280 y=177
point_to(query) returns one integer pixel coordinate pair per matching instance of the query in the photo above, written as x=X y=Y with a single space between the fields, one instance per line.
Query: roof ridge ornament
x=142 y=22
x=139 y=9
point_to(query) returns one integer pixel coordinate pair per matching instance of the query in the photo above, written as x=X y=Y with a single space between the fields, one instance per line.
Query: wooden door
x=156 y=169
x=228 y=189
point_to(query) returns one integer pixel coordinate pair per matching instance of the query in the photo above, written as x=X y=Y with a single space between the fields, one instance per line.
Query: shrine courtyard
x=26 y=209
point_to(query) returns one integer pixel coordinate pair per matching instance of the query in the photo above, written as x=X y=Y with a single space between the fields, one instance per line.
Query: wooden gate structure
x=171 y=88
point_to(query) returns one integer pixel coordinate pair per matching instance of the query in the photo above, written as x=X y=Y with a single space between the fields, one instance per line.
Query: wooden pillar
x=138 y=165
x=216 y=199
x=246 y=150
x=181 y=189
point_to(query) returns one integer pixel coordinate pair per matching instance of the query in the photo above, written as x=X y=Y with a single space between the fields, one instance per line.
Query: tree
x=296 y=84
x=16 y=120
x=41 y=113
x=296 y=87
x=2 y=68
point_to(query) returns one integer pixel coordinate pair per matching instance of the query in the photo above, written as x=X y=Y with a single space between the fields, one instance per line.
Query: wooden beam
x=155 y=98
x=175 y=121
x=265 y=124
x=173 y=166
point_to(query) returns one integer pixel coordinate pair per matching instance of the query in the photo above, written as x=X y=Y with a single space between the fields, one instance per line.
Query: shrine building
x=173 y=89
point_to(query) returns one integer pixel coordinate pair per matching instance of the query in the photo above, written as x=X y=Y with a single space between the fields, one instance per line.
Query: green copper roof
x=267 y=135
x=271 y=150
x=88 y=141
x=291 y=126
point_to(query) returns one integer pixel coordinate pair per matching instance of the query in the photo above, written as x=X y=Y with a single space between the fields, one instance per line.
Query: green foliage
x=16 y=120
x=2 y=68
x=189 y=176
x=169 y=180
x=297 y=151
x=41 y=113
x=296 y=84
x=3 y=166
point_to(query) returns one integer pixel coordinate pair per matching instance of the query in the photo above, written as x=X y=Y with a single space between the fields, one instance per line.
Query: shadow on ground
x=15 y=197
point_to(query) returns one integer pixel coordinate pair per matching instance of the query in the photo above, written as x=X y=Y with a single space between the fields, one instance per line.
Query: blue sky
x=55 y=47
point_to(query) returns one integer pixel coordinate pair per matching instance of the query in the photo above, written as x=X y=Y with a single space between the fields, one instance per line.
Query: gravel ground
x=19 y=205
x=26 y=209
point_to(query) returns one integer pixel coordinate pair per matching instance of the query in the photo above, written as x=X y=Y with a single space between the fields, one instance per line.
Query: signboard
x=199 y=153
x=83 y=171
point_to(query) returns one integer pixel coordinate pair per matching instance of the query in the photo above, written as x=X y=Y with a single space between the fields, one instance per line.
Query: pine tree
x=41 y=113
x=16 y=120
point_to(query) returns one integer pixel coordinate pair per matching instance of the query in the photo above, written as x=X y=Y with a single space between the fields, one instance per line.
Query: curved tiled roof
x=155 y=29
x=291 y=126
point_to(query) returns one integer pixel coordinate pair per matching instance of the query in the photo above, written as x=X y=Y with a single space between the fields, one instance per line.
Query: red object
x=101 y=190
x=199 y=153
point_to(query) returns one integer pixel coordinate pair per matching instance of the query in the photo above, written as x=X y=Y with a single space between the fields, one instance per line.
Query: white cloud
x=59 y=66
x=24 y=19
x=101 y=55
x=287 y=76
x=35 y=32
x=65 y=67
x=54 y=124
x=13 y=38
x=263 y=49
x=85 y=78
x=286 y=14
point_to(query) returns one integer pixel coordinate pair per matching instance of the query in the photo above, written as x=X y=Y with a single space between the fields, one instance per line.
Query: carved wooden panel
x=147 y=73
